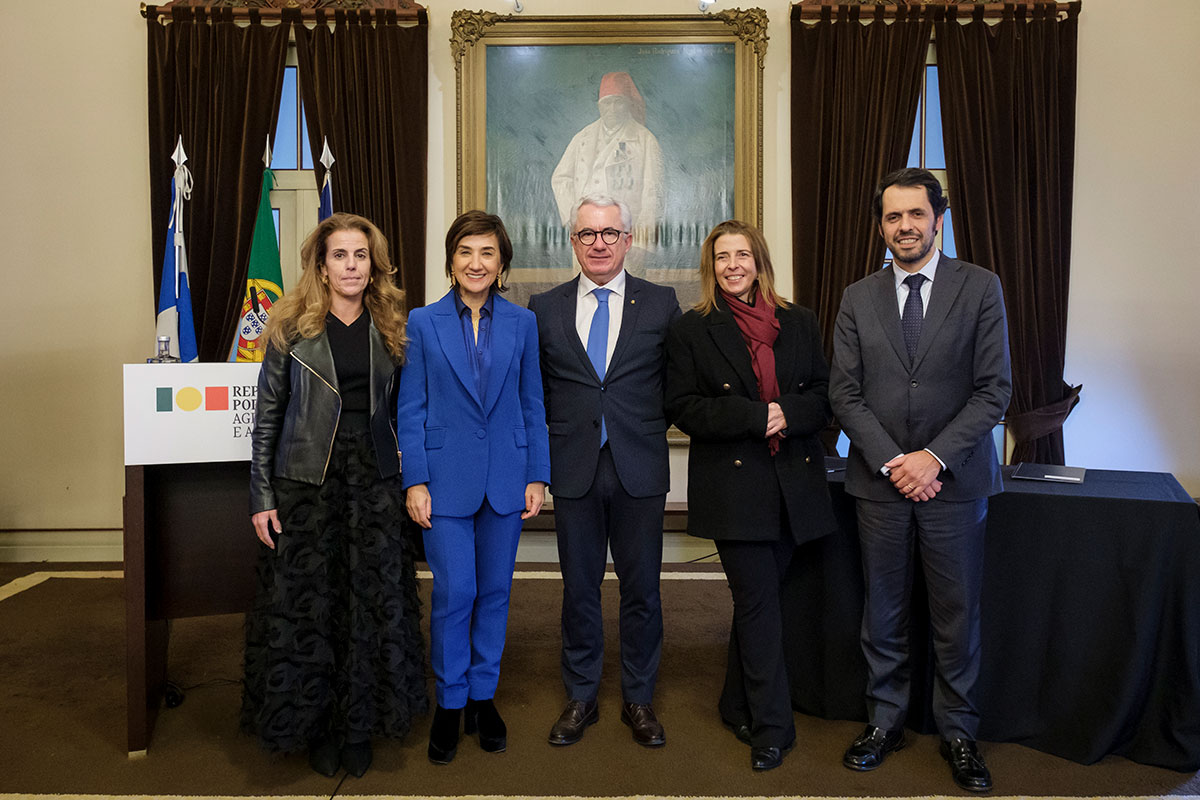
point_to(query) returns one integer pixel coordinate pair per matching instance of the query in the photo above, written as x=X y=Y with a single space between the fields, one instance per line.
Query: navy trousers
x=605 y=518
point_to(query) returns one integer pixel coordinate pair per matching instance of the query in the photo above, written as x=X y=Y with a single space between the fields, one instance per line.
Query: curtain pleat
x=216 y=84
x=1008 y=117
x=855 y=92
x=364 y=85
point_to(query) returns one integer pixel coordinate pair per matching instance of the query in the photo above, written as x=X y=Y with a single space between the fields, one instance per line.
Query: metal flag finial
x=179 y=156
x=327 y=158
x=267 y=153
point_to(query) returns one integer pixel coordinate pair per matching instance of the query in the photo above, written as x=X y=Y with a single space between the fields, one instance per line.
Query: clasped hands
x=776 y=421
x=915 y=475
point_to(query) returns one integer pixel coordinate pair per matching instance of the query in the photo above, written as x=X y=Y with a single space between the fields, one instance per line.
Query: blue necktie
x=914 y=314
x=597 y=344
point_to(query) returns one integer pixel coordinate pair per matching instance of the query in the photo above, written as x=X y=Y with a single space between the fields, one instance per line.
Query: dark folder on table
x=1048 y=472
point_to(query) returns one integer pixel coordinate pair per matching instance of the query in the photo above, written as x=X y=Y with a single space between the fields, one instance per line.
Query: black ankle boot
x=443 y=735
x=482 y=715
x=323 y=756
x=356 y=757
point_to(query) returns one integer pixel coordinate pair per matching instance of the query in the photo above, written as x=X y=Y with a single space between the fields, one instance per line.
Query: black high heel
x=482 y=716
x=443 y=735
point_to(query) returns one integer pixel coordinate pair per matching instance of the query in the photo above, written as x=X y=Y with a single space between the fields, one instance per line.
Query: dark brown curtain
x=217 y=85
x=1008 y=117
x=365 y=87
x=855 y=91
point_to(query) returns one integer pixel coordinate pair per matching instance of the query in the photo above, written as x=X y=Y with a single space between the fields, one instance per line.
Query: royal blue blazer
x=468 y=447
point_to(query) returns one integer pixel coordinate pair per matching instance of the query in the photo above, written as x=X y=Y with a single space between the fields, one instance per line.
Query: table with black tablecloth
x=1091 y=620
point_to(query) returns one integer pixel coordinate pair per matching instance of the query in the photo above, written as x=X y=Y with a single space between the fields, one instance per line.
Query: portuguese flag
x=264 y=281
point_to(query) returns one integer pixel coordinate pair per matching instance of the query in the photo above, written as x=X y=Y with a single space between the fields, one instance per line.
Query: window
x=291 y=133
x=294 y=200
x=927 y=149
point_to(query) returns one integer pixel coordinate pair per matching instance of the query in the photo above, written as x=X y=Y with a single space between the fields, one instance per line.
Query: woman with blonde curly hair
x=334 y=653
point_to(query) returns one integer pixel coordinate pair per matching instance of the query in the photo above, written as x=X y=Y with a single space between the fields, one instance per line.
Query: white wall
x=76 y=302
x=75 y=298
x=1135 y=281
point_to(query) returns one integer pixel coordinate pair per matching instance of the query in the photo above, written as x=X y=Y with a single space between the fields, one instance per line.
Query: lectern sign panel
x=180 y=413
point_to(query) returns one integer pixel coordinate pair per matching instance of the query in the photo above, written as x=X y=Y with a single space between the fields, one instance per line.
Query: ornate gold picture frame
x=664 y=112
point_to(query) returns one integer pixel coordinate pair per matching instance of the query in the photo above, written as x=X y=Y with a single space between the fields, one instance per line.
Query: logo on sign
x=240 y=400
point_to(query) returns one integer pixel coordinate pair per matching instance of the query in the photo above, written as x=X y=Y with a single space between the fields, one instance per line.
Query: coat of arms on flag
x=260 y=296
x=263 y=281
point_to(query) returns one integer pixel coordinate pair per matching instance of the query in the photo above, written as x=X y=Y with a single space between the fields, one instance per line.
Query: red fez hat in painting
x=622 y=83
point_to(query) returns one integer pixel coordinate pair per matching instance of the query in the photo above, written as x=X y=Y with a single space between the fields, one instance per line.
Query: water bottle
x=163 y=356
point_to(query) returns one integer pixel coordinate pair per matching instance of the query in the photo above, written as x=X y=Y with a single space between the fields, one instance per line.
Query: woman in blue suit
x=471 y=425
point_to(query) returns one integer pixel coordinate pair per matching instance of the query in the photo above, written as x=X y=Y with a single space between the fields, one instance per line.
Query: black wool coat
x=736 y=489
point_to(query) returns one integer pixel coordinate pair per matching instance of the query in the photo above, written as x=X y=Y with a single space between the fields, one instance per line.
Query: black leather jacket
x=297 y=412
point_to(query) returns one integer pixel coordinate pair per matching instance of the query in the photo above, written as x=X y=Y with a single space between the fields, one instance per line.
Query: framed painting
x=662 y=112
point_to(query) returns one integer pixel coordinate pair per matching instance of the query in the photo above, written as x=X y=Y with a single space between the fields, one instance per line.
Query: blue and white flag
x=326 y=209
x=174 y=296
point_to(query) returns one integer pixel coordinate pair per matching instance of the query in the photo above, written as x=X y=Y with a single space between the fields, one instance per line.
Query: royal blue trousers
x=472 y=561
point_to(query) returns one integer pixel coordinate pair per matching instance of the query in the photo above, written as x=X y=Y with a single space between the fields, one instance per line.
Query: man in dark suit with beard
x=920 y=378
x=602 y=338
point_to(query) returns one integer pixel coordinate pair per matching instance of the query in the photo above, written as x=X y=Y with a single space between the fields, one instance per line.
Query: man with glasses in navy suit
x=602 y=338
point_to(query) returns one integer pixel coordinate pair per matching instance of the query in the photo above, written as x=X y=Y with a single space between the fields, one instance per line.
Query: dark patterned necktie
x=914 y=314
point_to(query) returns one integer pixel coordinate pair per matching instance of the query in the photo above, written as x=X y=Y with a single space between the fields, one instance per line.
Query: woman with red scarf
x=747 y=381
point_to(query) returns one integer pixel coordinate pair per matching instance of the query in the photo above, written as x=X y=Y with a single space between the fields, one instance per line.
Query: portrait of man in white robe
x=616 y=155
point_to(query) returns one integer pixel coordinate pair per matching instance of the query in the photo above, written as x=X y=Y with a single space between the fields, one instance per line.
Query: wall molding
x=62 y=544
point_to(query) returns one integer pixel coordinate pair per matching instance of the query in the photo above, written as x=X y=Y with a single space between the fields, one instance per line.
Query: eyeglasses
x=587 y=236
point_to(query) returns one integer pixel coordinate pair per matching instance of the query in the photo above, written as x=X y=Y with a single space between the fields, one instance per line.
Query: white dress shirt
x=926 y=288
x=585 y=309
x=902 y=290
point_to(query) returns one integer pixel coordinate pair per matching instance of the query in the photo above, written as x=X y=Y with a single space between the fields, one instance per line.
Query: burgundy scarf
x=760 y=329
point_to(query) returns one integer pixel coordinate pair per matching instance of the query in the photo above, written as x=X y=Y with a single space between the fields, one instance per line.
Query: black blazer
x=630 y=397
x=736 y=489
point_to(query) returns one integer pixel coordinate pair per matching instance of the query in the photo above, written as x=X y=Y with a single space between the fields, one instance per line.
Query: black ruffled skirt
x=333 y=643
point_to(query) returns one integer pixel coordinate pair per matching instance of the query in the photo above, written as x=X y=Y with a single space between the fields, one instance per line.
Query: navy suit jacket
x=630 y=397
x=948 y=400
x=465 y=446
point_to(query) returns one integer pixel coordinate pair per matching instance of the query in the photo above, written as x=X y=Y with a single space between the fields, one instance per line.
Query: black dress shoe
x=646 y=730
x=356 y=757
x=966 y=765
x=871 y=747
x=740 y=729
x=765 y=758
x=323 y=756
x=443 y=735
x=482 y=716
x=569 y=727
